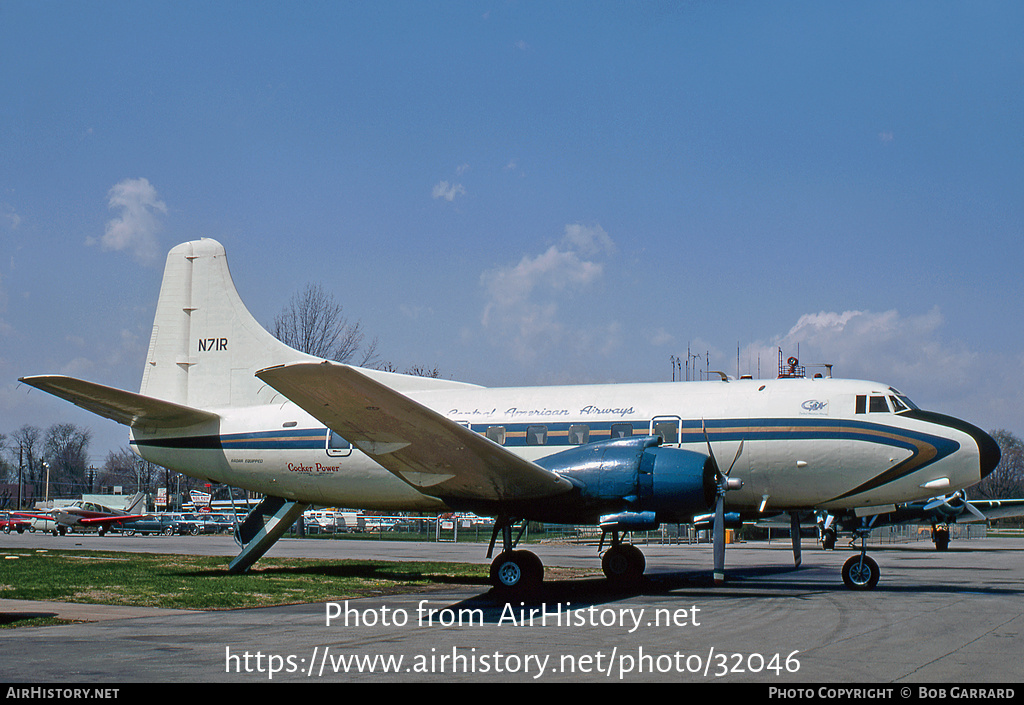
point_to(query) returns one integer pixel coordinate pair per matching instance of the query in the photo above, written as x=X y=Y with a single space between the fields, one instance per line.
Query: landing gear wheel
x=516 y=571
x=828 y=539
x=941 y=538
x=861 y=573
x=624 y=564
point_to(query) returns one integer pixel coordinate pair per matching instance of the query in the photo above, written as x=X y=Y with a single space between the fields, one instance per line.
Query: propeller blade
x=718 y=527
x=711 y=452
x=735 y=458
x=719 y=539
x=794 y=532
x=975 y=511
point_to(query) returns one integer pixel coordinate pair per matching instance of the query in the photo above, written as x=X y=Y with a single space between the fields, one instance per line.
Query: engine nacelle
x=637 y=475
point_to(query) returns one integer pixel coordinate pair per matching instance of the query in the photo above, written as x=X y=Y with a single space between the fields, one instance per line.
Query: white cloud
x=137 y=224
x=448 y=191
x=526 y=301
x=885 y=346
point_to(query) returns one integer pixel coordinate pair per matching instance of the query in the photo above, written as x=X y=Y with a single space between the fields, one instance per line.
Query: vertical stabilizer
x=206 y=346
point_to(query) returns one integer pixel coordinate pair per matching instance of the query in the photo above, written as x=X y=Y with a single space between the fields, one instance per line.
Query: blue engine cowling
x=636 y=477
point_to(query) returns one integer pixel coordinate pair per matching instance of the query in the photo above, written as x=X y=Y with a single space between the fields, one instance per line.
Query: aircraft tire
x=861 y=573
x=828 y=539
x=941 y=539
x=624 y=564
x=516 y=571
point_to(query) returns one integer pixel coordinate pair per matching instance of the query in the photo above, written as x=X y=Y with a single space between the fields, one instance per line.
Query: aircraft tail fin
x=203 y=355
x=206 y=347
x=137 y=505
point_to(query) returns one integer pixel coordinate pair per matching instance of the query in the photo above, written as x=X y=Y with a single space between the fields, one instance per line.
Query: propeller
x=724 y=485
x=953 y=505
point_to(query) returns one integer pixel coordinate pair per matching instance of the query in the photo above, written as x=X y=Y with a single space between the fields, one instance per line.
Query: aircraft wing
x=128 y=408
x=429 y=451
x=999 y=508
x=93 y=521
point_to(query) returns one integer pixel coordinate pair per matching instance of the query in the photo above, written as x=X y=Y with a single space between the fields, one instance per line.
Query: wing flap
x=128 y=408
x=429 y=451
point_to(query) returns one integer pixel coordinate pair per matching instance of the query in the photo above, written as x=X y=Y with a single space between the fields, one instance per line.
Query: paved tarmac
x=950 y=617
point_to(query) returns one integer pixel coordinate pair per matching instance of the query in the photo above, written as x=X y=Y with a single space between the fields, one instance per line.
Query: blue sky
x=526 y=192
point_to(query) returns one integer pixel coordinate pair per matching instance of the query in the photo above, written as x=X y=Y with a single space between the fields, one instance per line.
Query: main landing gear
x=623 y=563
x=519 y=571
x=513 y=570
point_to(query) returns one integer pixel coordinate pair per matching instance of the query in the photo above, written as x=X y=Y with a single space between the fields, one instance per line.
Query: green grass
x=203 y=582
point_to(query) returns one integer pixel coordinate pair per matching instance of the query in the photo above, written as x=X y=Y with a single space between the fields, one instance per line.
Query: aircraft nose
x=988 y=452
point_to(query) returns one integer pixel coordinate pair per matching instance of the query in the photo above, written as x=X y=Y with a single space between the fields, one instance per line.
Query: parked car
x=218 y=523
x=192 y=524
x=151 y=524
x=9 y=523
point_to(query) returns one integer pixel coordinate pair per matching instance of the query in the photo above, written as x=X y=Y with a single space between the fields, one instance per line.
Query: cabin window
x=336 y=445
x=496 y=434
x=668 y=430
x=622 y=430
x=878 y=405
x=579 y=434
x=536 y=435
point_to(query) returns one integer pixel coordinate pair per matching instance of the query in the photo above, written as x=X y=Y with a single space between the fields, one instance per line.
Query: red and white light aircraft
x=86 y=514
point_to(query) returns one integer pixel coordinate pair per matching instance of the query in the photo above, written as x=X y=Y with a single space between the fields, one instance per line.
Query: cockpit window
x=908 y=403
x=877 y=404
x=897 y=405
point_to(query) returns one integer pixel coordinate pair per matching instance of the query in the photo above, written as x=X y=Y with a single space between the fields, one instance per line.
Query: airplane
x=223 y=400
x=939 y=512
x=87 y=514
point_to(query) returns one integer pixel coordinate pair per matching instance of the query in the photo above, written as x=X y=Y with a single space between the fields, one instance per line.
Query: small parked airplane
x=225 y=401
x=87 y=514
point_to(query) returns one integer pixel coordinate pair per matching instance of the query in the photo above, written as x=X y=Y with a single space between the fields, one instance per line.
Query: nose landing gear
x=861 y=572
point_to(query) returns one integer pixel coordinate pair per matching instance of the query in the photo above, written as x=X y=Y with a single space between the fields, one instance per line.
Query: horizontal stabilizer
x=429 y=451
x=128 y=408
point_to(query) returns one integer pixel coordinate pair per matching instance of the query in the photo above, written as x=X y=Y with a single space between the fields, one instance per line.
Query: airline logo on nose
x=814 y=406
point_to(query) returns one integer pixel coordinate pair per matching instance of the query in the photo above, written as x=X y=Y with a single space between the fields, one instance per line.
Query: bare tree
x=67 y=450
x=313 y=323
x=1007 y=480
x=126 y=468
x=25 y=444
x=423 y=371
x=415 y=370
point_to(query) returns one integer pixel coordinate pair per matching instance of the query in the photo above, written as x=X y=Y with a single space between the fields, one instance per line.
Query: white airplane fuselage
x=222 y=399
x=807 y=444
